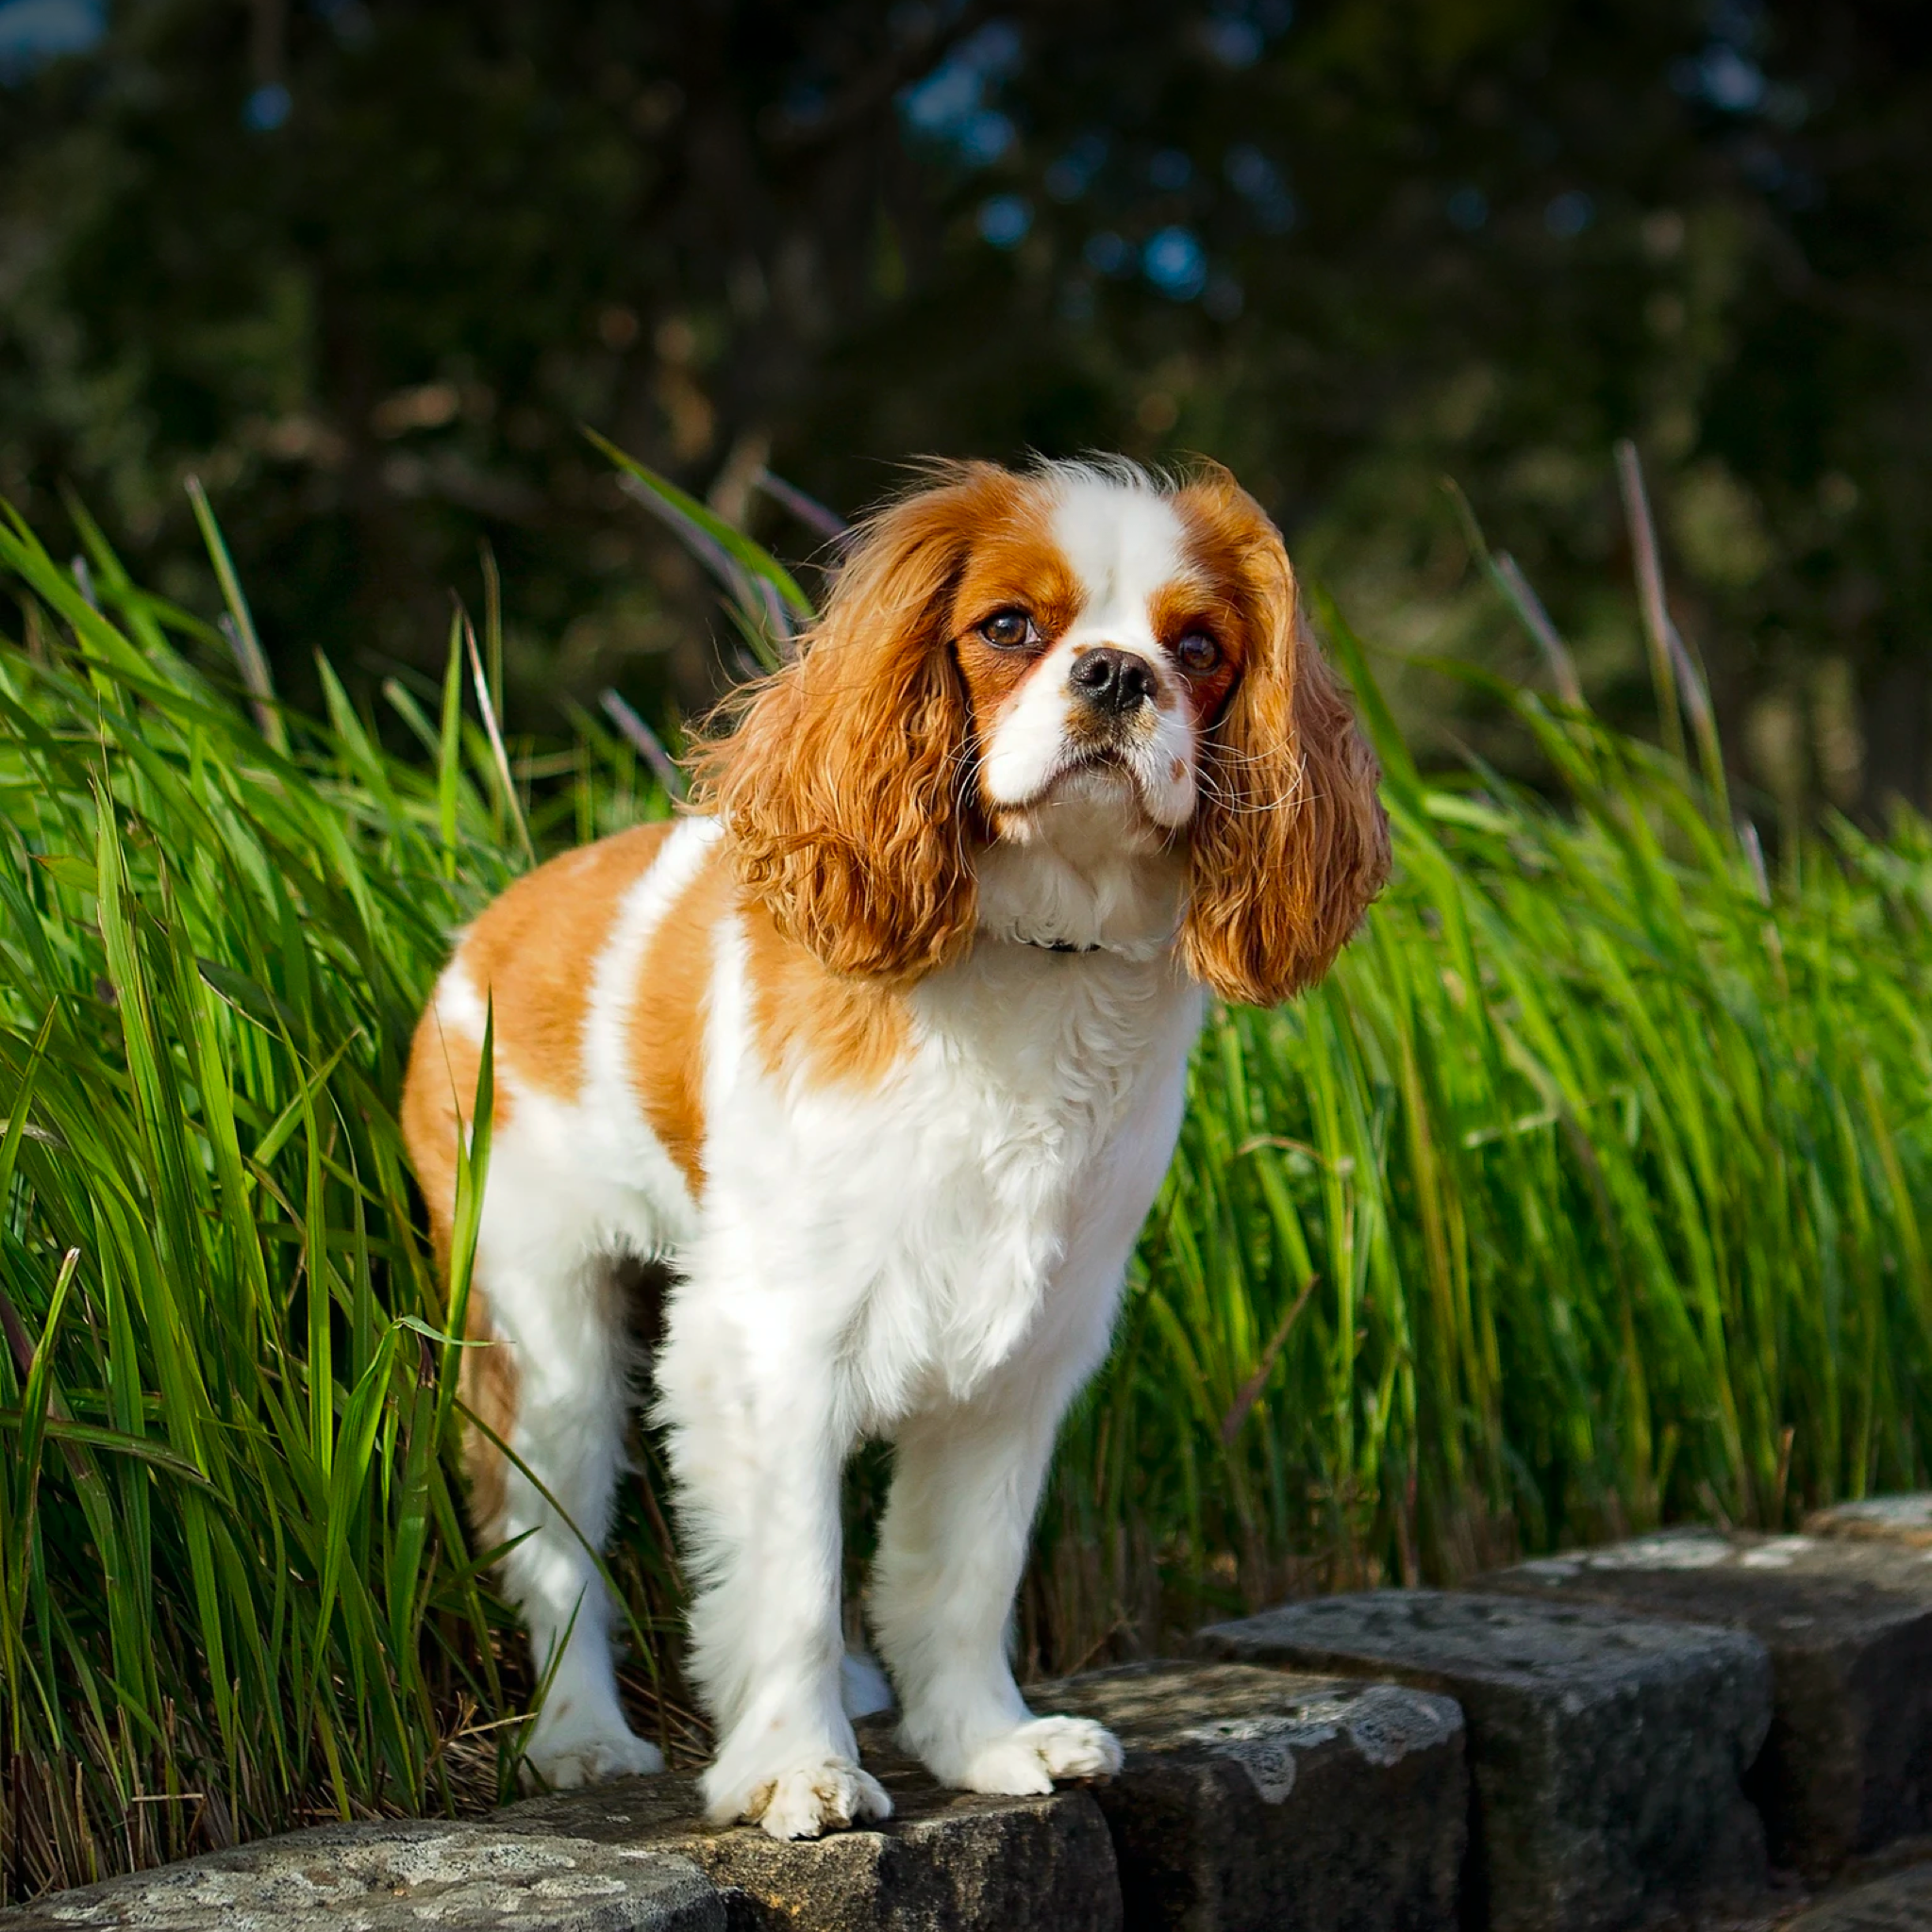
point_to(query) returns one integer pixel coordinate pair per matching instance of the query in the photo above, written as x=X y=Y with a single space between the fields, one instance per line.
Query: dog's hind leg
x=555 y=1384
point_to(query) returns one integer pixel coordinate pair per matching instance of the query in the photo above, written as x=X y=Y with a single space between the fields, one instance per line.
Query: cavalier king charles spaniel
x=883 y=1051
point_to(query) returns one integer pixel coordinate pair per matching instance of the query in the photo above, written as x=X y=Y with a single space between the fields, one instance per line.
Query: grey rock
x=943 y=1861
x=1848 y=1624
x=1606 y=1751
x=1254 y=1797
x=1905 y=1519
x=415 y=1876
x=1901 y=1903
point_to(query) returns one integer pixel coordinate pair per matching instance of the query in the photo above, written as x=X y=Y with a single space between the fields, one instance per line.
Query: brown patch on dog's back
x=667 y=1016
x=834 y=1031
x=534 y=952
x=805 y=1021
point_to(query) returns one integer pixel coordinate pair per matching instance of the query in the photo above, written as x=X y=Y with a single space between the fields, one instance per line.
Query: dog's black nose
x=1111 y=680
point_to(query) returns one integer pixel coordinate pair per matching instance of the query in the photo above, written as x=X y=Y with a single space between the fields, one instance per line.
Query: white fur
x=936 y=1260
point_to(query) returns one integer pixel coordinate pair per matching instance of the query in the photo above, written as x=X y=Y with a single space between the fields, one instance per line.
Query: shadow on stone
x=1256 y=1797
x=1847 y=1765
x=1606 y=1751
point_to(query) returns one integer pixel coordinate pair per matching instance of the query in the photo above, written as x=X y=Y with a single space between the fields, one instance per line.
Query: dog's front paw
x=803 y=1801
x=563 y=1759
x=1027 y=1760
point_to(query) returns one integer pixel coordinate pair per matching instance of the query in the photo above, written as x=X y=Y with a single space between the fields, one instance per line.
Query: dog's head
x=997 y=646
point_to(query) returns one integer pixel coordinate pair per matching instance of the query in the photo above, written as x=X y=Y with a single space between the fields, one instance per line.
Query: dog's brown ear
x=1290 y=842
x=842 y=783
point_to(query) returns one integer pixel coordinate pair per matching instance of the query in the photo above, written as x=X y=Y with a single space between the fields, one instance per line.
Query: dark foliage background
x=366 y=265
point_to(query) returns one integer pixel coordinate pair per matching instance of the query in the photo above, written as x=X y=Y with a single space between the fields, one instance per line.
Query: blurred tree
x=366 y=266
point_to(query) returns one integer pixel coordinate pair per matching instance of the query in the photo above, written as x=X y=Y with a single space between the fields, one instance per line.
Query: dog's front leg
x=757 y=1446
x=966 y=1482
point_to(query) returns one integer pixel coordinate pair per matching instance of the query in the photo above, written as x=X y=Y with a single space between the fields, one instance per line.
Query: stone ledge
x=1906 y=1520
x=1606 y=1751
x=1847 y=1765
x=944 y=1860
x=404 y=1876
x=1254 y=1797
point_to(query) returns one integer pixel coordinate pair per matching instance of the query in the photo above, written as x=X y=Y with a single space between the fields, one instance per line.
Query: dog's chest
x=1031 y=1061
x=1035 y=1078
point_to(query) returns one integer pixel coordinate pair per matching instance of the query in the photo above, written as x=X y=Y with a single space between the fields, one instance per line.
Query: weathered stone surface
x=1848 y=1763
x=1901 y=1903
x=398 y=1877
x=1906 y=1519
x=1606 y=1751
x=1256 y=1797
x=944 y=1860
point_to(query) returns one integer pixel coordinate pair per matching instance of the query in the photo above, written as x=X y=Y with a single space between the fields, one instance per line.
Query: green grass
x=1590 y=1192
x=234 y=1588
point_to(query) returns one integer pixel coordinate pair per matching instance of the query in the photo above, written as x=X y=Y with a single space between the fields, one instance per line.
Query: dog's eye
x=1198 y=652
x=1010 y=630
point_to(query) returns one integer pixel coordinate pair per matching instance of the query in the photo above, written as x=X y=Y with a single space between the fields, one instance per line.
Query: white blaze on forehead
x=1124 y=543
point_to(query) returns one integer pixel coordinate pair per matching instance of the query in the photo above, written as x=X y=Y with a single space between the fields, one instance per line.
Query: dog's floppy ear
x=1289 y=842
x=842 y=783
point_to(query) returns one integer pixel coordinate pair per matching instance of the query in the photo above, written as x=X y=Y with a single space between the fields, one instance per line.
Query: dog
x=883 y=1048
